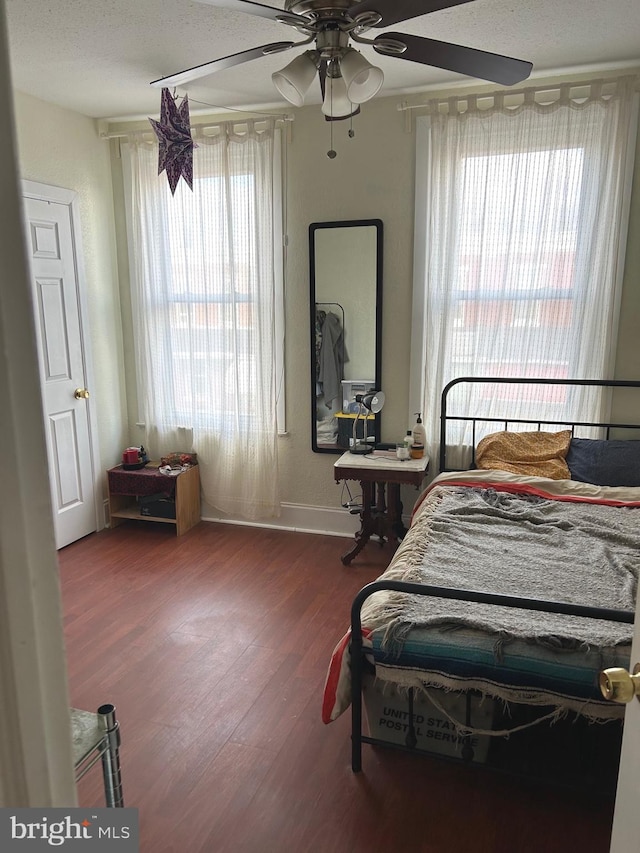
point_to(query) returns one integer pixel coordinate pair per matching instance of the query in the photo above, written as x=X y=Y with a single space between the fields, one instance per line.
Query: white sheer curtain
x=206 y=290
x=519 y=247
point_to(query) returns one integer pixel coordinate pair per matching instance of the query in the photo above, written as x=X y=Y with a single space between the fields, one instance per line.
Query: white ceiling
x=97 y=57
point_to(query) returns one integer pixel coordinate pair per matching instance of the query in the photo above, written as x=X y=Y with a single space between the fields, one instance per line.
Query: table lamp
x=370 y=402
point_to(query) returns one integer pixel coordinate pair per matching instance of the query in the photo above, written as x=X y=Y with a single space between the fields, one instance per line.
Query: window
x=515 y=260
x=520 y=231
x=212 y=297
x=207 y=294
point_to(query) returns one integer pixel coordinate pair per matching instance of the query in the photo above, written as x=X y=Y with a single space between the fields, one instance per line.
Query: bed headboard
x=504 y=423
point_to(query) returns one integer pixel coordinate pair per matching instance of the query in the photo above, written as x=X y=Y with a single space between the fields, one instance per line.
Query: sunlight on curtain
x=205 y=291
x=520 y=233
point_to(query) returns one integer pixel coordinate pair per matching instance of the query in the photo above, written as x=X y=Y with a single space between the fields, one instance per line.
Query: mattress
x=462 y=646
x=521 y=673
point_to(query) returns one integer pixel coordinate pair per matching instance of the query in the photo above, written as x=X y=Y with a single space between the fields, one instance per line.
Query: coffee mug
x=131 y=457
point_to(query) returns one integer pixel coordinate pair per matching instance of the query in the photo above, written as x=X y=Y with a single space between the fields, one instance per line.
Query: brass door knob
x=617 y=685
x=81 y=394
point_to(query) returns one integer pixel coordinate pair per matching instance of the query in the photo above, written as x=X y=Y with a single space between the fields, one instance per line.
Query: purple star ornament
x=175 y=152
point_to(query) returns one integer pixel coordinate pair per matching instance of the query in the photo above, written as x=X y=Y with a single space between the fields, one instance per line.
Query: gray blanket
x=482 y=539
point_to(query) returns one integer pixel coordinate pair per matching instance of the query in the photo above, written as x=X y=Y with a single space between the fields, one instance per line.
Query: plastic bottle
x=419 y=432
x=408 y=439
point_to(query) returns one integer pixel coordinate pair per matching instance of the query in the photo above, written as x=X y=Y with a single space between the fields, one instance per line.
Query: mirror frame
x=349 y=223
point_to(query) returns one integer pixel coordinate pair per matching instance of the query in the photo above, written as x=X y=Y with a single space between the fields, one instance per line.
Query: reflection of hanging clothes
x=333 y=356
x=320 y=318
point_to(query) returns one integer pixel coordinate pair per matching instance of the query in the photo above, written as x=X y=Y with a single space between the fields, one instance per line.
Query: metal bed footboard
x=357 y=650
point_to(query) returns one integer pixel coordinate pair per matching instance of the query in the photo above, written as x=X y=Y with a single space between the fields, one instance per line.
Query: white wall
x=35 y=734
x=628 y=358
x=627 y=365
x=371 y=177
x=63 y=149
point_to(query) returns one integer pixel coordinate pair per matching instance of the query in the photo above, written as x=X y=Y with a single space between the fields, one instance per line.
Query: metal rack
x=96 y=736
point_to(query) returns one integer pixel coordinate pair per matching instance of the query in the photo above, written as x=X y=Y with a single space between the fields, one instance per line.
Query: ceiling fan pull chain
x=331 y=154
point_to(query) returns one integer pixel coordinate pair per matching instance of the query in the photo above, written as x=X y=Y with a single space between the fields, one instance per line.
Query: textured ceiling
x=98 y=58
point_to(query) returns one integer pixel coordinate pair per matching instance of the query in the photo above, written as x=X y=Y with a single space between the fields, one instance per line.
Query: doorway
x=52 y=236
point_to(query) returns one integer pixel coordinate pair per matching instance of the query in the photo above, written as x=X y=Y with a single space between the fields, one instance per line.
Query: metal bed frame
x=445 y=418
x=357 y=655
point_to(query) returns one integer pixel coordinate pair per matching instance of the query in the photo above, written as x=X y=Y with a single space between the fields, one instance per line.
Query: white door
x=54 y=271
x=625 y=836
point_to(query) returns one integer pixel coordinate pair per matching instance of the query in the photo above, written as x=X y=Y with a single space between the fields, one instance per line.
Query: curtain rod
x=125 y=135
x=551 y=87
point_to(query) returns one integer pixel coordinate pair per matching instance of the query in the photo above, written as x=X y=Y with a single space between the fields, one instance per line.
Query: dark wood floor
x=214 y=648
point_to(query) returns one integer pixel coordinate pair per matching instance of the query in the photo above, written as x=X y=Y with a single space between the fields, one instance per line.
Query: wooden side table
x=125 y=487
x=380 y=477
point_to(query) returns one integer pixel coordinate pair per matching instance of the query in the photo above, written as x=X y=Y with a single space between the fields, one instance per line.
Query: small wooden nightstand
x=380 y=476
x=126 y=486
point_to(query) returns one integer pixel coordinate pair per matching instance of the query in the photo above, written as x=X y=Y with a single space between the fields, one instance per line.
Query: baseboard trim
x=299 y=519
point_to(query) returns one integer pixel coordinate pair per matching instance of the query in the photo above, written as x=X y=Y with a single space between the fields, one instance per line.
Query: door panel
x=50 y=242
x=63 y=436
x=626 y=820
x=56 y=363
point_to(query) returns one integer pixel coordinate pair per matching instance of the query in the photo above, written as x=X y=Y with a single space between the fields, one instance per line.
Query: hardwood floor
x=214 y=648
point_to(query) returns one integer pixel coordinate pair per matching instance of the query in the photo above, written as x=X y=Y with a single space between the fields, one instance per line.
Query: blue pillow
x=604 y=463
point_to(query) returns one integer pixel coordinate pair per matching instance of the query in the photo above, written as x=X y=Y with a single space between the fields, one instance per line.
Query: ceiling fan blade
x=455 y=57
x=395 y=11
x=245 y=6
x=206 y=68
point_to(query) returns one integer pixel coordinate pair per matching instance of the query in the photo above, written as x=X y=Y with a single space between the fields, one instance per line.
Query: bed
x=513 y=588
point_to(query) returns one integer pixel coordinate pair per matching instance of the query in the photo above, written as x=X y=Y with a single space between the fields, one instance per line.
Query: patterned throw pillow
x=531 y=454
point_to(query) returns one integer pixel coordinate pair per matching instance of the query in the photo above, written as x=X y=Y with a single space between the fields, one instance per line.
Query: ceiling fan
x=347 y=79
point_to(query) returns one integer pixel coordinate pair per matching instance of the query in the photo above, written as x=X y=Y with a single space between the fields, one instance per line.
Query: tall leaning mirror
x=346 y=318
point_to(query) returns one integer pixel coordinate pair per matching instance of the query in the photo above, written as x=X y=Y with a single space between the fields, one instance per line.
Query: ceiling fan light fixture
x=294 y=80
x=333 y=25
x=362 y=79
x=336 y=103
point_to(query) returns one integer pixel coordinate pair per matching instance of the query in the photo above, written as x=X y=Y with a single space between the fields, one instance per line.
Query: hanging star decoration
x=175 y=154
